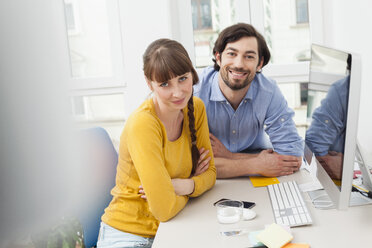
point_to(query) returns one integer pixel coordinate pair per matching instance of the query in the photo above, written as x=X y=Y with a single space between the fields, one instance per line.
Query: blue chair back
x=100 y=160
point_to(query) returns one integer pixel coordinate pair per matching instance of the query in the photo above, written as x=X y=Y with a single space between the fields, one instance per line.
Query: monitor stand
x=320 y=198
x=356 y=198
x=364 y=168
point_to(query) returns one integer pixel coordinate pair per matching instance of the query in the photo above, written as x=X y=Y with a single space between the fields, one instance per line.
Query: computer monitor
x=332 y=112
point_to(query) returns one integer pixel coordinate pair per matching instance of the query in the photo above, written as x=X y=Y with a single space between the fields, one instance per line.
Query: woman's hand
x=142 y=192
x=186 y=186
x=203 y=163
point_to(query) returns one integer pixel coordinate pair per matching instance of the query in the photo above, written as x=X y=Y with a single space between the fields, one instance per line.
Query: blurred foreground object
x=40 y=178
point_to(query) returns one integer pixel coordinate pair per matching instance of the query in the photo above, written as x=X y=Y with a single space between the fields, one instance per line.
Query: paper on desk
x=313 y=167
x=274 y=236
x=314 y=184
x=263 y=181
x=305 y=165
x=310 y=186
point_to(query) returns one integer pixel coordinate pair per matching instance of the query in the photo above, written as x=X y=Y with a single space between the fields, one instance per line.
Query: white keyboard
x=288 y=205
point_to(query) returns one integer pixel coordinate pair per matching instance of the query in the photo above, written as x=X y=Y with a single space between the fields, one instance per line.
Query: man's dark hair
x=235 y=33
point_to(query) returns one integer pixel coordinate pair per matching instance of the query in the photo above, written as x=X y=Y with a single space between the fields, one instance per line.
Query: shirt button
x=245 y=101
x=233 y=131
x=326 y=121
x=282 y=119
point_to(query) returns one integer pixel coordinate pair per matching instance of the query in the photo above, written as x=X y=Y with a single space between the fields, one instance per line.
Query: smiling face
x=173 y=94
x=239 y=63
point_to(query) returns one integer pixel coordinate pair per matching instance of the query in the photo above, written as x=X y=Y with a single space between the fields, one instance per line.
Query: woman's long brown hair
x=163 y=60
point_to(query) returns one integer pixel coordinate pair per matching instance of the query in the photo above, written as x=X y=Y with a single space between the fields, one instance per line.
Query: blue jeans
x=111 y=237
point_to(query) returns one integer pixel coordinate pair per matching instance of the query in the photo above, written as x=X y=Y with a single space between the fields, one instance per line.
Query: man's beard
x=235 y=84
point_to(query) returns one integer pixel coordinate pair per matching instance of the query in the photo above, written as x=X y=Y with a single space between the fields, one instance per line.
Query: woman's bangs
x=167 y=66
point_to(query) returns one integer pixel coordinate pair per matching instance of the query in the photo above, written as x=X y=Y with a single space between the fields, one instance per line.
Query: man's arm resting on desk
x=266 y=163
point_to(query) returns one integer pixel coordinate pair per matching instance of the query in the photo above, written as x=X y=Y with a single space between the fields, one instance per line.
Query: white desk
x=197 y=226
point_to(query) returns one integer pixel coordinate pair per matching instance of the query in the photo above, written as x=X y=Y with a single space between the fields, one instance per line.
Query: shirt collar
x=252 y=89
x=217 y=96
x=216 y=93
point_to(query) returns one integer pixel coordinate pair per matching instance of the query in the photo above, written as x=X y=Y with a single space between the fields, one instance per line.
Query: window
x=93 y=37
x=96 y=82
x=209 y=17
x=288 y=43
x=98 y=108
x=201 y=14
x=72 y=21
x=302 y=13
x=203 y=30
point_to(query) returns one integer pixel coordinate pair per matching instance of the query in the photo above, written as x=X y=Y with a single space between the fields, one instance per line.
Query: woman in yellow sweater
x=164 y=153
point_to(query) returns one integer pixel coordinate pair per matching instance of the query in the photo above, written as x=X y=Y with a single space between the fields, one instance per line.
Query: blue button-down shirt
x=262 y=120
x=328 y=126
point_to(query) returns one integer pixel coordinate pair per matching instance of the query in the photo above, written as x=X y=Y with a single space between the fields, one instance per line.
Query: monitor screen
x=332 y=115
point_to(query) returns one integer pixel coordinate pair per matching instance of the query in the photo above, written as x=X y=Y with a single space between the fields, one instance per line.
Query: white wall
x=347 y=26
x=141 y=24
x=139 y=28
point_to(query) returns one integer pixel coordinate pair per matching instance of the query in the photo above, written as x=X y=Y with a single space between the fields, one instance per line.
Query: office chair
x=99 y=161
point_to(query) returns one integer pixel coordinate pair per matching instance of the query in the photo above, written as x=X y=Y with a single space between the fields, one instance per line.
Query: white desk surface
x=196 y=225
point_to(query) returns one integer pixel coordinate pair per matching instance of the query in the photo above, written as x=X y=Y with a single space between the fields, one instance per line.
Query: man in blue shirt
x=246 y=111
x=326 y=134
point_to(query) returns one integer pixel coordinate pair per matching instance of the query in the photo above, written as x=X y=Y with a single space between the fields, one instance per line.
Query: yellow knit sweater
x=148 y=158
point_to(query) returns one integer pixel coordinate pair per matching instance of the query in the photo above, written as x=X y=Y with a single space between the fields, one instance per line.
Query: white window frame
x=84 y=86
x=76 y=17
x=281 y=73
x=91 y=86
x=96 y=92
x=316 y=20
x=294 y=14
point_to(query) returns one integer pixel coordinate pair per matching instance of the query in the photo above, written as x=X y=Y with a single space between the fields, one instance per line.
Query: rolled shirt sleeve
x=281 y=128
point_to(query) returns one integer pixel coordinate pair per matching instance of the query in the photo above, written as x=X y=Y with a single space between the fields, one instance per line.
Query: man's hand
x=273 y=164
x=219 y=150
x=203 y=163
x=332 y=163
x=266 y=163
